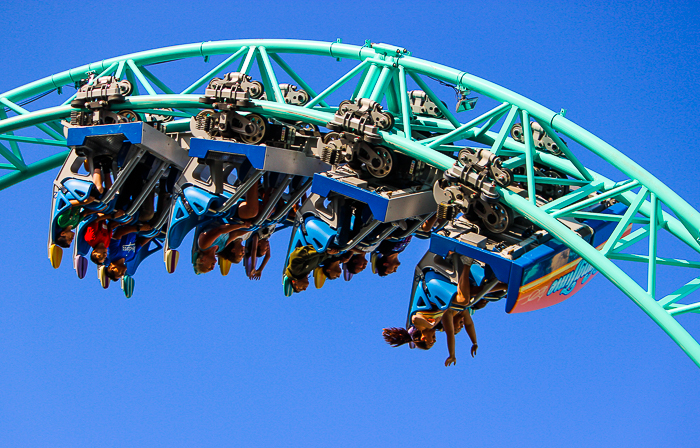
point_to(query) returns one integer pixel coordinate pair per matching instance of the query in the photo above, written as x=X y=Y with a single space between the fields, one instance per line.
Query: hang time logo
x=568 y=282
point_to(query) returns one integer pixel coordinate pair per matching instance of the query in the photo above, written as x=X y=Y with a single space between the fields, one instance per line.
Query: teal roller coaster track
x=382 y=73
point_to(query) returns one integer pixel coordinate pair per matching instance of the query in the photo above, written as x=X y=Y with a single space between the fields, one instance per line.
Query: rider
x=98 y=235
x=69 y=220
x=458 y=314
x=225 y=240
x=257 y=247
x=123 y=248
x=388 y=255
x=305 y=259
x=219 y=240
x=452 y=318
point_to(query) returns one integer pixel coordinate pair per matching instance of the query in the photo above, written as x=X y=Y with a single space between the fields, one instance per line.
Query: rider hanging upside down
x=123 y=248
x=305 y=260
x=69 y=219
x=451 y=319
x=226 y=240
x=259 y=248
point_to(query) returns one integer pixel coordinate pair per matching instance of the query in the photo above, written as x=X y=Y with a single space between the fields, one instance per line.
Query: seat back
x=181 y=222
x=435 y=283
x=317 y=233
x=142 y=253
x=80 y=246
x=203 y=202
x=431 y=291
x=60 y=204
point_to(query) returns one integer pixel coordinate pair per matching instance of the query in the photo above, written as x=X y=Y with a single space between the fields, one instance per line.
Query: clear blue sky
x=221 y=361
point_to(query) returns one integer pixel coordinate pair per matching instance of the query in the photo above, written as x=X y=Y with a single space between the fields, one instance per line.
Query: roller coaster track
x=382 y=73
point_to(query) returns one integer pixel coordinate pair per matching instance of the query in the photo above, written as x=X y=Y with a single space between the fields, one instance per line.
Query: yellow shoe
x=319 y=278
x=224 y=266
x=55 y=255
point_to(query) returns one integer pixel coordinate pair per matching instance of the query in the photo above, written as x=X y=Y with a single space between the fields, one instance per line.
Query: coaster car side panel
x=383 y=208
x=540 y=277
x=551 y=273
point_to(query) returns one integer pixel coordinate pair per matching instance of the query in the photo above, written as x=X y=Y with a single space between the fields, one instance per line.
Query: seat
x=317 y=233
x=182 y=221
x=142 y=253
x=435 y=283
x=203 y=202
x=72 y=189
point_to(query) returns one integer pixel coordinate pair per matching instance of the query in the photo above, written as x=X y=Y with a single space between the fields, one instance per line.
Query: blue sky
x=210 y=360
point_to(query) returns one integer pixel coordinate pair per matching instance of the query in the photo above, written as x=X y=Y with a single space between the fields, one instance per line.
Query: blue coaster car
x=344 y=212
x=219 y=175
x=121 y=148
x=128 y=145
x=226 y=166
x=540 y=271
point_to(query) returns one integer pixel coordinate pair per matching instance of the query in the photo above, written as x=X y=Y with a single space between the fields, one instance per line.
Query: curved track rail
x=382 y=73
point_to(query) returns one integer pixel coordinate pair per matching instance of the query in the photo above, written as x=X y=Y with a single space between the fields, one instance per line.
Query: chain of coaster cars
x=359 y=192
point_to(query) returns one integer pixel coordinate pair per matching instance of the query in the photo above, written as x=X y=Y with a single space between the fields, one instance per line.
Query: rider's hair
x=399 y=336
x=95 y=258
x=62 y=241
x=112 y=275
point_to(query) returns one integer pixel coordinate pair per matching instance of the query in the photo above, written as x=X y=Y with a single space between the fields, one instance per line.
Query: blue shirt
x=123 y=248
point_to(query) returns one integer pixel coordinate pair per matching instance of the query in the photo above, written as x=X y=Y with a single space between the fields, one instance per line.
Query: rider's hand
x=474 y=347
x=451 y=360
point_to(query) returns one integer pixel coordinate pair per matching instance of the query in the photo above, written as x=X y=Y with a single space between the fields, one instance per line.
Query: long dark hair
x=399 y=336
